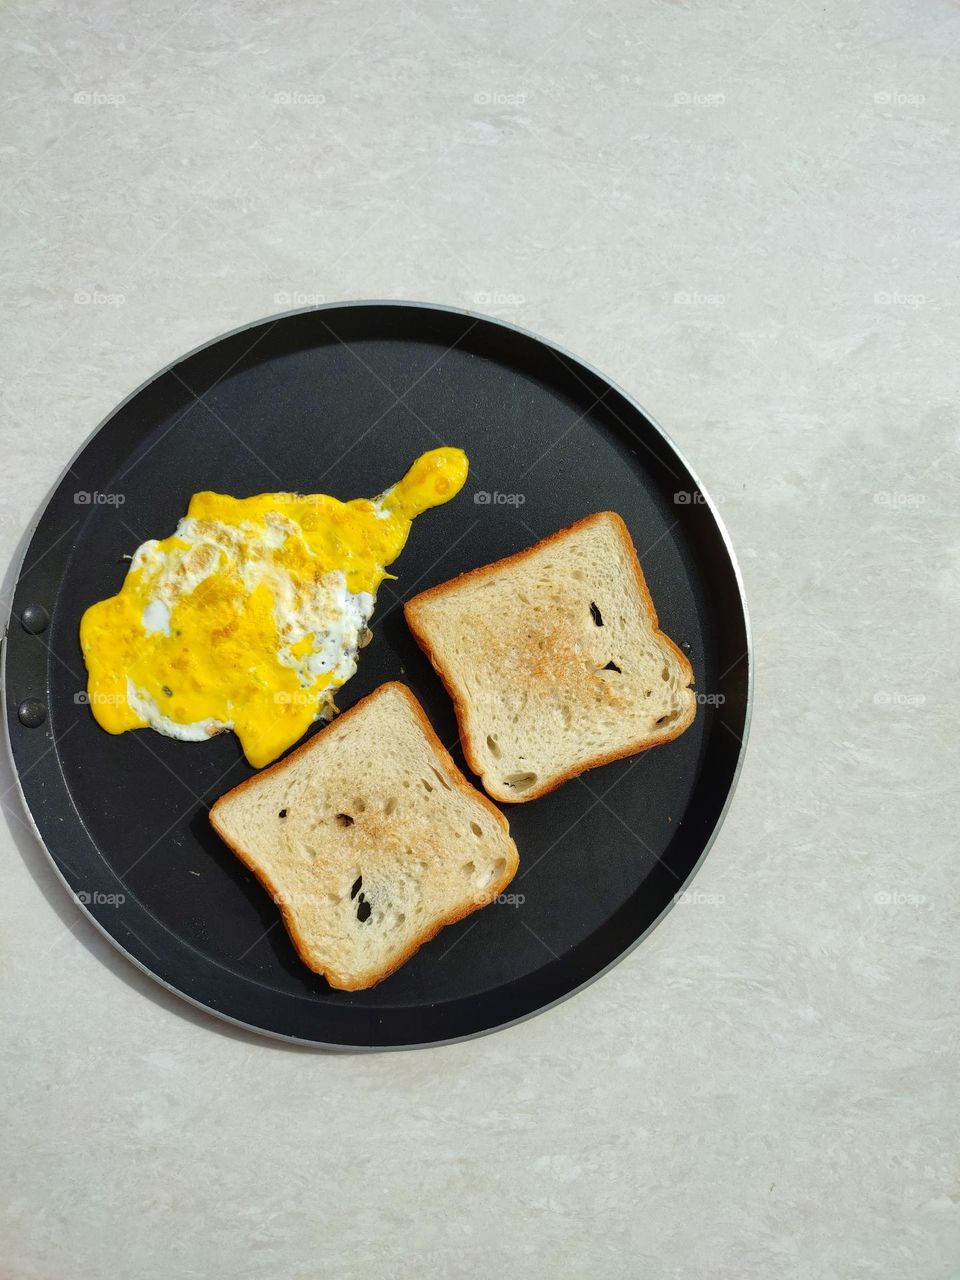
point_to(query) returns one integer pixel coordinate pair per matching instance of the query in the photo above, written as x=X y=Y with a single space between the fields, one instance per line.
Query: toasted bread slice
x=369 y=839
x=554 y=659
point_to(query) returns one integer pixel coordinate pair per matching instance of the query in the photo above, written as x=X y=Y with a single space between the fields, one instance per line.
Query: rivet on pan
x=32 y=713
x=35 y=619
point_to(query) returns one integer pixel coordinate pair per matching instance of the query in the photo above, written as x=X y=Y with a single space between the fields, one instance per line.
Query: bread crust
x=338 y=981
x=411 y=607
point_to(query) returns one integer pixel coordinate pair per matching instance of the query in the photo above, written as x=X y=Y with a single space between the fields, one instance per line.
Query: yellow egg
x=250 y=616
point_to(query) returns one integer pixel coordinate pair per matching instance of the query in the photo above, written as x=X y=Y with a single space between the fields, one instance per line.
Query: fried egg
x=252 y=614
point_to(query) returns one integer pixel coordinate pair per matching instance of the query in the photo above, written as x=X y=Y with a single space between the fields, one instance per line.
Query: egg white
x=146 y=708
x=326 y=611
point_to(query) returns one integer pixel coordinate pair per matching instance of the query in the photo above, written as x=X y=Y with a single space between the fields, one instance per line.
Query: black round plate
x=341 y=399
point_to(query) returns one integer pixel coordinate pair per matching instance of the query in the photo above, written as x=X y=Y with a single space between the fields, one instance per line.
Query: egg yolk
x=251 y=614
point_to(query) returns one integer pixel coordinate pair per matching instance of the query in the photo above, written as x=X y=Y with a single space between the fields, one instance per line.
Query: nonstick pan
x=341 y=399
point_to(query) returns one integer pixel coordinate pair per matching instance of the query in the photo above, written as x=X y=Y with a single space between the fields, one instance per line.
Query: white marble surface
x=747 y=214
